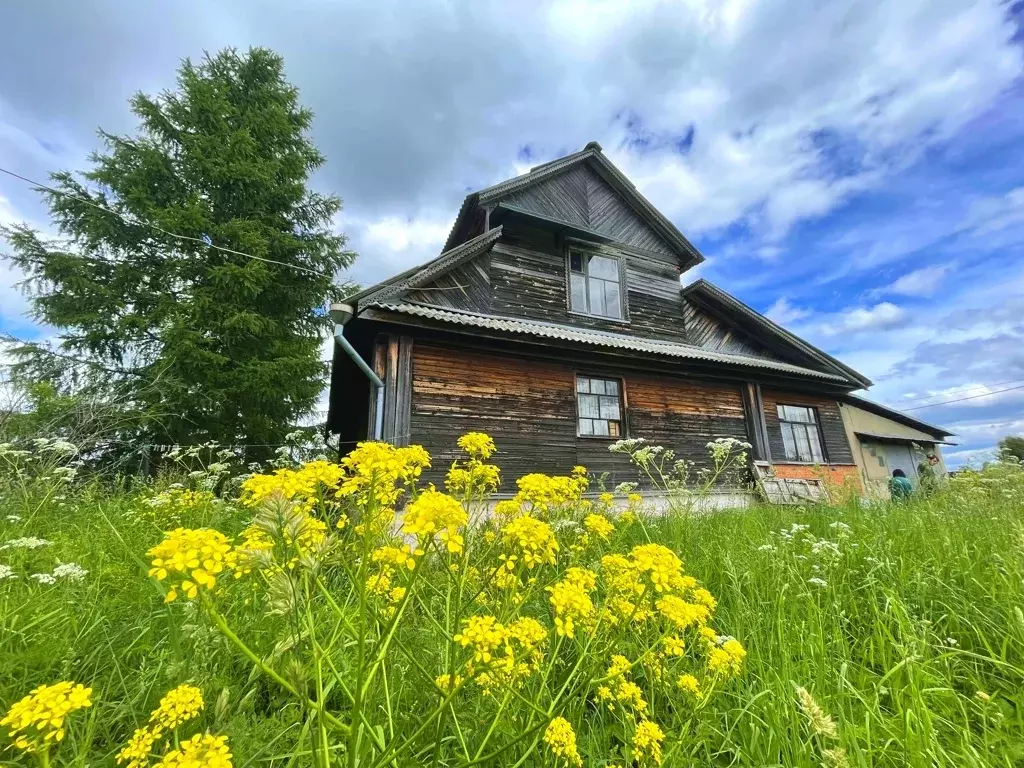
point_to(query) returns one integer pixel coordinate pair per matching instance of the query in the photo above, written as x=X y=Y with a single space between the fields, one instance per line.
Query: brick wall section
x=834 y=475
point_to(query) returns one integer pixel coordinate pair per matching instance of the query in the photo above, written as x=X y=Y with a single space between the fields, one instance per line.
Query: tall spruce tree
x=214 y=345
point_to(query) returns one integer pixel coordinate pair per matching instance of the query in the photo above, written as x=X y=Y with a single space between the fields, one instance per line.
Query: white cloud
x=396 y=235
x=921 y=282
x=783 y=313
x=880 y=317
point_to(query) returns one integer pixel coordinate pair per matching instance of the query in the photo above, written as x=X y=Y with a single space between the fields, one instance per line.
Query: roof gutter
x=341 y=314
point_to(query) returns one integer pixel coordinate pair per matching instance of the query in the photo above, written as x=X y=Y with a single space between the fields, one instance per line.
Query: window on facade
x=594 y=286
x=598 y=407
x=800 y=435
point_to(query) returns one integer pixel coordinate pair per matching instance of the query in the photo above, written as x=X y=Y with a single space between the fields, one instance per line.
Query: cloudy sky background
x=853 y=169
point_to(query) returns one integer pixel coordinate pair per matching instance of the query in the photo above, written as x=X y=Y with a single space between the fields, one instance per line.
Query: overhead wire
x=954 y=390
x=962 y=399
x=135 y=221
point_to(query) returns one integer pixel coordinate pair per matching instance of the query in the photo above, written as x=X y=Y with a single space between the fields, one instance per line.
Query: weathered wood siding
x=528 y=279
x=837 y=447
x=580 y=196
x=467 y=286
x=704 y=329
x=529 y=407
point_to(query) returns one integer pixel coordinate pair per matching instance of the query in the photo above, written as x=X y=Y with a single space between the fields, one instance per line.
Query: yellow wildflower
x=380 y=472
x=191 y=559
x=533 y=538
x=178 y=706
x=301 y=535
x=606 y=498
x=571 y=605
x=484 y=634
x=599 y=525
x=583 y=578
x=400 y=557
x=647 y=741
x=447 y=682
x=37 y=720
x=379 y=583
x=634 y=499
x=433 y=512
x=472 y=478
x=138 y=749
x=689 y=684
x=727 y=657
x=673 y=645
x=663 y=566
x=507 y=509
x=477 y=444
x=682 y=613
x=306 y=485
x=561 y=740
x=543 y=492
x=201 y=751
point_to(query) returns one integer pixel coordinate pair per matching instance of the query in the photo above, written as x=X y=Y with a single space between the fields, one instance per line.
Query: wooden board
x=529 y=407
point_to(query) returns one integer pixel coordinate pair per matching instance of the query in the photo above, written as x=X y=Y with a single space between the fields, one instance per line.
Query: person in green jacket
x=927 y=474
x=900 y=488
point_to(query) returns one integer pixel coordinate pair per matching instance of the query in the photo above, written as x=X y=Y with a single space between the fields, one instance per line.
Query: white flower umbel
x=818 y=582
x=70 y=571
x=27 y=542
x=6 y=572
x=13 y=518
x=44 y=578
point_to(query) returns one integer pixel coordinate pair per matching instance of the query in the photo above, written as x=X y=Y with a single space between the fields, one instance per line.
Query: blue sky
x=853 y=169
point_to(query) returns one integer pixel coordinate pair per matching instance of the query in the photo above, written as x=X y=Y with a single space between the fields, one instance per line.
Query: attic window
x=595 y=286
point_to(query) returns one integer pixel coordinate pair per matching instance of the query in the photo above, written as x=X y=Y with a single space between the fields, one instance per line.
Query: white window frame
x=585 y=256
x=802 y=439
x=585 y=388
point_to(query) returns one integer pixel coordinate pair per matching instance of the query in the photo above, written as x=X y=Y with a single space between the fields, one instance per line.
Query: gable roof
x=765 y=330
x=543 y=329
x=423 y=273
x=898 y=416
x=592 y=155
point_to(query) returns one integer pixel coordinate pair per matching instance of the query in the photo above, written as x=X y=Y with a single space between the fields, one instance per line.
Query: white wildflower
x=626 y=488
x=27 y=542
x=766 y=548
x=626 y=445
x=44 y=578
x=840 y=528
x=818 y=582
x=13 y=518
x=70 y=571
x=951 y=642
x=6 y=572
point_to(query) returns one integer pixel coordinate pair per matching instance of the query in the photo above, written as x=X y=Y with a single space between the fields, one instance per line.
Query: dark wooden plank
x=403 y=389
x=830 y=419
x=390 y=388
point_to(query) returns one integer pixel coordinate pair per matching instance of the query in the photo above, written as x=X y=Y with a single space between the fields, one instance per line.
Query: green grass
x=920 y=610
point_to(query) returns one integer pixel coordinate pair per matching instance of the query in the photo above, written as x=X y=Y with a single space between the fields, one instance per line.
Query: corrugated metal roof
x=596 y=338
x=420 y=274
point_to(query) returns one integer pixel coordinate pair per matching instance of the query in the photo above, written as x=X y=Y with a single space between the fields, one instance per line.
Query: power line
x=961 y=399
x=139 y=222
x=964 y=388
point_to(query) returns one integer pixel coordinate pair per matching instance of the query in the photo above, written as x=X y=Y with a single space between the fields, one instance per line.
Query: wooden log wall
x=706 y=330
x=529 y=407
x=830 y=419
x=467 y=286
x=529 y=276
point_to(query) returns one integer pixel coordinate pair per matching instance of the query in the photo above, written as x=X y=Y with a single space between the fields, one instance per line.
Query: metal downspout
x=341 y=313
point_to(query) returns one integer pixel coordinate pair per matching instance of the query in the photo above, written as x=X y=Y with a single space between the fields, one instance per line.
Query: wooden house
x=555 y=321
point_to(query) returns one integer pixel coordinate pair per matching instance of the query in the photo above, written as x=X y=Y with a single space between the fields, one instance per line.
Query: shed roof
x=898 y=416
x=541 y=329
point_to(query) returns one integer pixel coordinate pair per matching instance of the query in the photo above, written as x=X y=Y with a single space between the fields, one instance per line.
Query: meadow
x=305 y=629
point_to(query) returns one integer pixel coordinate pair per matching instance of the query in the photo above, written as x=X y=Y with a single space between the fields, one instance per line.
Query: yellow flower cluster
x=306 y=485
x=507 y=654
x=689 y=684
x=435 y=513
x=380 y=472
x=184 y=499
x=37 y=720
x=620 y=689
x=474 y=478
x=191 y=559
x=725 y=657
x=599 y=525
x=621 y=578
x=398 y=557
x=561 y=740
x=661 y=565
x=177 y=707
x=681 y=613
x=531 y=539
x=545 y=492
x=478 y=445
x=571 y=603
x=647 y=740
x=201 y=751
